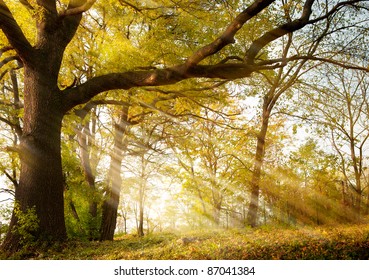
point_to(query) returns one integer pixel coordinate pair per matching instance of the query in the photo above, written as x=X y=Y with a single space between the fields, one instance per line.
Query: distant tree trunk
x=258 y=163
x=358 y=203
x=140 y=229
x=74 y=211
x=217 y=199
x=357 y=163
x=84 y=135
x=217 y=207
x=124 y=216
x=111 y=203
x=278 y=86
x=358 y=196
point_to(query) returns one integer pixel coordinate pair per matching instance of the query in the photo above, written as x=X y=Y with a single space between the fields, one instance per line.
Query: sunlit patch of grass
x=349 y=242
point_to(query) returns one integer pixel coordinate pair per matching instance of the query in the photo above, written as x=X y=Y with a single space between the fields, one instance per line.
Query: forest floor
x=341 y=242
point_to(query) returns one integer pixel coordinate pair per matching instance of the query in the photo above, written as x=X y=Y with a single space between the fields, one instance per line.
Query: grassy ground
x=351 y=242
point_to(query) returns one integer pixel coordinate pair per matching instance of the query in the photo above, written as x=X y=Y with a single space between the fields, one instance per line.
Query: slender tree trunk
x=367 y=203
x=358 y=203
x=217 y=201
x=74 y=211
x=125 y=224
x=85 y=143
x=357 y=163
x=358 y=195
x=216 y=214
x=110 y=206
x=140 y=229
x=141 y=220
x=252 y=214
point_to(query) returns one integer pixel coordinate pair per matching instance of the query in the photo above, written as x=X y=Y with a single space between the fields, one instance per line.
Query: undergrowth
x=351 y=242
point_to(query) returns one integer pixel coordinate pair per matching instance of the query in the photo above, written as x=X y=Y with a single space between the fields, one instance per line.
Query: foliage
x=28 y=224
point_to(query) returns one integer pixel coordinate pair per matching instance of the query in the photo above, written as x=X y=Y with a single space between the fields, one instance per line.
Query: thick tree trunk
x=110 y=206
x=41 y=179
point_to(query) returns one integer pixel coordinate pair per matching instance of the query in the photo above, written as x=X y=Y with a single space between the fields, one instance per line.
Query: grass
x=349 y=242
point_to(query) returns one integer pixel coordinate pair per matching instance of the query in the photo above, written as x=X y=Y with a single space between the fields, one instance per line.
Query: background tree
x=114 y=178
x=340 y=103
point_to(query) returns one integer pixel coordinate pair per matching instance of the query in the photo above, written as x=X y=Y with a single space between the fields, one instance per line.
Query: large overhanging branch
x=192 y=69
x=158 y=77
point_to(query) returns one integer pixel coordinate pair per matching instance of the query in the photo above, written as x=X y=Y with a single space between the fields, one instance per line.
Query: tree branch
x=5 y=49
x=14 y=33
x=8 y=191
x=191 y=69
x=8 y=59
x=12 y=179
x=49 y=5
x=20 y=65
x=77 y=10
x=159 y=77
x=329 y=61
x=278 y=32
x=228 y=35
x=26 y=4
x=16 y=127
x=336 y=8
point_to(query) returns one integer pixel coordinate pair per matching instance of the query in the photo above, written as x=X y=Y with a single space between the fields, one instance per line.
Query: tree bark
x=111 y=204
x=258 y=163
x=140 y=230
x=141 y=202
x=41 y=183
x=41 y=180
x=85 y=143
